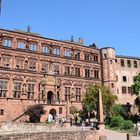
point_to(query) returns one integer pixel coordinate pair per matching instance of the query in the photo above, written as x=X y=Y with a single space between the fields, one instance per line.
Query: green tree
x=90 y=100
x=136 y=85
x=118 y=110
x=74 y=110
x=34 y=112
x=137 y=102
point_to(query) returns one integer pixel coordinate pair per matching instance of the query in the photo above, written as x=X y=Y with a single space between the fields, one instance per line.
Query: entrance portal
x=50 y=97
x=53 y=113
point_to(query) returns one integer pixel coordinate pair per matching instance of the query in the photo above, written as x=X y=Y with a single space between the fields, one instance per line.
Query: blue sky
x=108 y=23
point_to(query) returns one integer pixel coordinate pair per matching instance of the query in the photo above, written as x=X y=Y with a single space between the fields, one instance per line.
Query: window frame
x=56 y=51
x=67 y=53
x=33 y=47
x=45 y=49
x=20 y=44
x=6 y=42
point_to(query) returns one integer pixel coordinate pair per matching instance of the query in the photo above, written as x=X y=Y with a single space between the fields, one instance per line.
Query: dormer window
x=7 y=42
x=21 y=45
x=33 y=47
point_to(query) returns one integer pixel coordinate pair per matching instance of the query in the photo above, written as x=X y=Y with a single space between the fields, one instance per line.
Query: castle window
x=112 y=85
x=3 y=88
x=76 y=55
x=87 y=73
x=78 y=94
x=56 y=68
x=95 y=58
x=105 y=56
x=67 y=93
x=8 y=42
x=111 y=61
x=60 y=110
x=87 y=56
x=1 y=112
x=44 y=66
x=67 y=53
x=32 y=64
x=129 y=90
x=31 y=91
x=21 y=45
x=6 y=61
x=33 y=47
x=123 y=90
x=56 y=51
x=122 y=62
x=135 y=64
x=67 y=70
x=77 y=72
x=96 y=74
x=124 y=79
x=128 y=63
x=17 y=89
x=19 y=63
x=116 y=60
x=45 y=49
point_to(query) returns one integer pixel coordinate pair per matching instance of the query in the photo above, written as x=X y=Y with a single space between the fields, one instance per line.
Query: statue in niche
x=26 y=64
x=50 y=68
x=24 y=89
x=27 y=44
x=72 y=71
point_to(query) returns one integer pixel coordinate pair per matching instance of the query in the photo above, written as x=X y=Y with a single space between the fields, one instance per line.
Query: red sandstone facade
x=38 y=70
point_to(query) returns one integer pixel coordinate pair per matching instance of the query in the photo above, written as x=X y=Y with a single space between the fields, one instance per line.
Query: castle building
x=54 y=73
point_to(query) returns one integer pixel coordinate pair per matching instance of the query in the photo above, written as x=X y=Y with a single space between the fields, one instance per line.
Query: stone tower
x=108 y=68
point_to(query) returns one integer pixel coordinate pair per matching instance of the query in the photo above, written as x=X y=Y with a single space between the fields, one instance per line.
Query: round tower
x=108 y=68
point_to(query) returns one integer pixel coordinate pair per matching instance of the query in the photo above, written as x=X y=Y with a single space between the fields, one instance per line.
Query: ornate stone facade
x=34 y=69
x=38 y=70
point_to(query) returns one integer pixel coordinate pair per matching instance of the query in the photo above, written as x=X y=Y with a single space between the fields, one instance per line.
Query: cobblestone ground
x=113 y=135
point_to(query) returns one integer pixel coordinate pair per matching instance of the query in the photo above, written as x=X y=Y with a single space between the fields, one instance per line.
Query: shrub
x=34 y=112
x=117 y=121
x=127 y=124
x=118 y=110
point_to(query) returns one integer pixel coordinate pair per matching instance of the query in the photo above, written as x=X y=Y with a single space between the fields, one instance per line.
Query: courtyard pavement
x=113 y=135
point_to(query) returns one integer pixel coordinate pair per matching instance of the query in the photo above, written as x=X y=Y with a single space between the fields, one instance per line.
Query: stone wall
x=67 y=135
x=26 y=131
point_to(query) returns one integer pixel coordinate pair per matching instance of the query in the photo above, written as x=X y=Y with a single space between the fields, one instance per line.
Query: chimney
x=80 y=40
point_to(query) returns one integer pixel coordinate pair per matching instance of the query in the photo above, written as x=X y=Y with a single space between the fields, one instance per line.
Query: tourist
x=76 y=119
x=70 y=121
x=138 y=129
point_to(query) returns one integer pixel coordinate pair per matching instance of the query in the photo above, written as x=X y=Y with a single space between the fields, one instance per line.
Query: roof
x=39 y=36
x=128 y=57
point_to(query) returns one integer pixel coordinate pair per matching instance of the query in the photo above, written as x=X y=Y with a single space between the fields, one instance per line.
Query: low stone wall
x=67 y=135
x=26 y=131
x=27 y=127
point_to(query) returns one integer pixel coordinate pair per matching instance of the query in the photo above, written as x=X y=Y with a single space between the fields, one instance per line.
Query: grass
x=119 y=130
